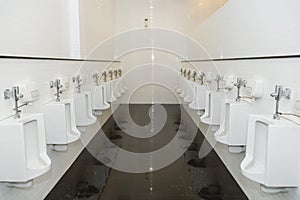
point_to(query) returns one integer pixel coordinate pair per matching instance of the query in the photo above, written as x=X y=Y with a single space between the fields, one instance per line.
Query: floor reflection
x=188 y=178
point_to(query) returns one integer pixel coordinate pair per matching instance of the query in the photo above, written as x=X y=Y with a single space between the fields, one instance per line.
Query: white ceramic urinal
x=123 y=84
x=109 y=93
x=213 y=108
x=180 y=85
x=83 y=109
x=190 y=94
x=234 y=117
x=60 y=124
x=177 y=84
x=99 y=102
x=23 y=150
x=120 y=86
x=199 y=97
x=184 y=88
x=272 y=153
x=233 y=125
x=115 y=88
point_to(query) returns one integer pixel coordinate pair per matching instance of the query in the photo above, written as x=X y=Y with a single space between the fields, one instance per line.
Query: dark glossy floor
x=188 y=178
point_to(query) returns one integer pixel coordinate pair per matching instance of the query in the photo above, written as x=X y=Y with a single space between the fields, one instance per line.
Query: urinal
x=99 y=102
x=83 y=109
x=23 y=150
x=180 y=85
x=60 y=124
x=212 y=108
x=190 y=95
x=177 y=86
x=123 y=84
x=233 y=125
x=115 y=88
x=109 y=93
x=272 y=153
x=120 y=86
x=184 y=88
x=199 y=97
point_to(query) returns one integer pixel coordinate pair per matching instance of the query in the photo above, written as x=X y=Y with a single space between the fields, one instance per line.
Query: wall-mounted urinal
x=234 y=115
x=180 y=85
x=233 y=125
x=109 y=94
x=115 y=88
x=187 y=92
x=60 y=124
x=28 y=159
x=199 y=100
x=83 y=109
x=184 y=88
x=213 y=101
x=110 y=87
x=99 y=99
x=190 y=92
x=60 y=119
x=177 y=86
x=272 y=153
x=115 y=84
x=82 y=106
x=23 y=140
x=120 y=86
x=123 y=85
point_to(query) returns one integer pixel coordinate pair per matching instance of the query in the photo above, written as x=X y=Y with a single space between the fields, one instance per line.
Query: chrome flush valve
x=189 y=74
x=218 y=79
x=201 y=78
x=110 y=73
x=58 y=87
x=278 y=94
x=120 y=72
x=116 y=73
x=15 y=94
x=104 y=75
x=194 y=75
x=77 y=79
x=96 y=78
x=239 y=84
x=184 y=73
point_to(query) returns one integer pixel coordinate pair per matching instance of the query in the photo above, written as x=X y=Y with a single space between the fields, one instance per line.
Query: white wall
x=177 y=15
x=97 y=23
x=150 y=66
x=254 y=28
x=35 y=28
x=245 y=28
x=54 y=28
x=47 y=28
